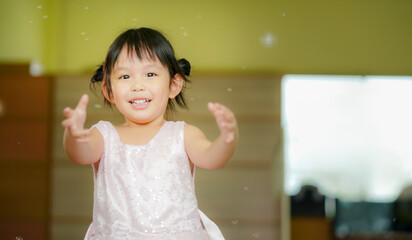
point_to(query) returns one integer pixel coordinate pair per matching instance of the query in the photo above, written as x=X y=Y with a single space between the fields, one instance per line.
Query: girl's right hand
x=75 y=119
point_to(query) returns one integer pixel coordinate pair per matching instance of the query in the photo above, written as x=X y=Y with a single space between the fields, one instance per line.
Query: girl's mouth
x=140 y=101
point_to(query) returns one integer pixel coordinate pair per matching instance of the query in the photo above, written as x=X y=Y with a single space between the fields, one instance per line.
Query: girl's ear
x=105 y=93
x=176 y=86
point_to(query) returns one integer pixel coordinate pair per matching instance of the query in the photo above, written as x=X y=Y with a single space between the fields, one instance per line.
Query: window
x=351 y=136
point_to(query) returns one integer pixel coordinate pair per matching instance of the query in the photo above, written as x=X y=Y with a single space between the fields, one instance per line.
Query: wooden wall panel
x=26 y=230
x=24 y=154
x=306 y=228
x=70 y=200
x=240 y=197
x=24 y=140
x=25 y=96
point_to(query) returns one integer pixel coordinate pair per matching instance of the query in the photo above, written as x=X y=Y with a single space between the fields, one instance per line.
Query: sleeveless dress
x=147 y=192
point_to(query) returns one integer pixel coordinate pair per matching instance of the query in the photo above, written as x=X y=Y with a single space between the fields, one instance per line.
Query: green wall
x=318 y=36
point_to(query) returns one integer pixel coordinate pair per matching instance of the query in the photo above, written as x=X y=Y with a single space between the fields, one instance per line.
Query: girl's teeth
x=140 y=101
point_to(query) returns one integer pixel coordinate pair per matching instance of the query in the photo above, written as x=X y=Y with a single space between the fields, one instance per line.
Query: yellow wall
x=318 y=36
x=22 y=30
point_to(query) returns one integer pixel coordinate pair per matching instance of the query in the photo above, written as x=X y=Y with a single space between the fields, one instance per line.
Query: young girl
x=144 y=168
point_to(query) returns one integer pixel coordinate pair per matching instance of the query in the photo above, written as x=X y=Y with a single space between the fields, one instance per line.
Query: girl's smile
x=140 y=103
x=140 y=88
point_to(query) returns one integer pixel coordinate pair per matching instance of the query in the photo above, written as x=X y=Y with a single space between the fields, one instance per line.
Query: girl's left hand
x=225 y=120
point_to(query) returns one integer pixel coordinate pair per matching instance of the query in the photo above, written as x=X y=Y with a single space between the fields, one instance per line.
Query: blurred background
x=320 y=89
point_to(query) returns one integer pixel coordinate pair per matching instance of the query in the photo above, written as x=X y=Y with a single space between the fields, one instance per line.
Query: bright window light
x=351 y=136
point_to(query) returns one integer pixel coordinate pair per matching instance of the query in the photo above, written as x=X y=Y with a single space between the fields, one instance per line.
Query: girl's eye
x=124 y=77
x=150 y=75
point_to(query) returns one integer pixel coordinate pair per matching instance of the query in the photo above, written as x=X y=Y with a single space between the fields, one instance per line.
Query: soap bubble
x=256 y=235
x=86 y=39
x=86 y=8
x=39 y=7
x=229 y=89
x=243 y=67
x=268 y=40
x=31 y=21
x=235 y=221
x=185 y=34
x=45 y=16
x=36 y=68
x=83 y=33
x=283 y=14
x=19 y=238
x=246 y=188
x=97 y=106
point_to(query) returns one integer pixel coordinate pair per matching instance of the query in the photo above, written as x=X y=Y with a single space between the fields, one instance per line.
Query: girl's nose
x=137 y=85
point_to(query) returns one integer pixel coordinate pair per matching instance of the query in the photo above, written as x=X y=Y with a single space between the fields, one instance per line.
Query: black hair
x=146 y=43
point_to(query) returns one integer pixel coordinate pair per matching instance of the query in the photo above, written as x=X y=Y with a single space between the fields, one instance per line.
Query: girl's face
x=141 y=88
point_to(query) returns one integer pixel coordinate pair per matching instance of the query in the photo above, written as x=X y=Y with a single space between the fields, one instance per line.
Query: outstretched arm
x=83 y=146
x=213 y=155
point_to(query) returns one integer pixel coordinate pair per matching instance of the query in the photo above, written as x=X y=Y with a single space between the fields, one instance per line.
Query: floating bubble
x=243 y=68
x=185 y=34
x=39 y=7
x=268 y=40
x=36 y=68
x=235 y=222
x=45 y=16
x=229 y=89
x=31 y=21
x=86 y=8
x=283 y=14
x=192 y=99
x=246 y=188
x=86 y=39
x=97 y=106
x=256 y=235
x=83 y=33
x=19 y=238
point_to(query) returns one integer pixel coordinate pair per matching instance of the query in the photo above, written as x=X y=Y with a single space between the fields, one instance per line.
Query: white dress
x=147 y=192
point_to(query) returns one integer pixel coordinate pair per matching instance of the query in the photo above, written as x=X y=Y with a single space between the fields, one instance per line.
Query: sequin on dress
x=147 y=192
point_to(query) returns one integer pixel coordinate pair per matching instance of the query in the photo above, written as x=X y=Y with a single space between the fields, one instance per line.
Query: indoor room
x=320 y=91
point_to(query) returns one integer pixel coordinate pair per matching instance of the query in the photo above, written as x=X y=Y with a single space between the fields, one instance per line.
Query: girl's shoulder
x=102 y=128
x=192 y=131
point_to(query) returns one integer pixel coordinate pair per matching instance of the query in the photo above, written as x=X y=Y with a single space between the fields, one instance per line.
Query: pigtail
x=185 y=66
x=98 y=75
x=183 y=69
x=98 y=78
